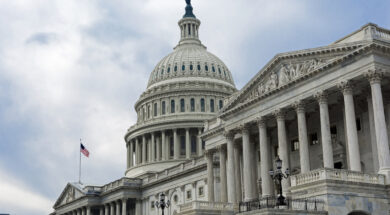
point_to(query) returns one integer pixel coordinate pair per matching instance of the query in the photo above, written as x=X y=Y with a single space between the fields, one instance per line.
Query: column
x=283 y=148
x=131 y=153
x=200 y=150
x=304 y=156
x=210 y=175
x=82 y=211
x=374 y=147
x=237 y=172
x=137 y=152
x=118 y=208
x=153 y=149
x=326 y=139
x=353 y=145
x=143 y=149
x=128 y=154
x=112 y=208
x=101 y=211
x=222 y=172
x=231 y=186
x=188 y=144
x=375 y=77
x=265 y=156
x=78 y=211
x=124 y=206
x=248 y=167
x=149 y=150
x=138 y=207
x=163 y=146
x=176 y=146
x=158 y=148
x=106 y=211
x=88 y=210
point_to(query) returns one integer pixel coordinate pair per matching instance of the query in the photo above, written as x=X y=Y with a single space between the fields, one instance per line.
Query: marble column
x=131 y=153
x=137 y=152
x=237 y=172
x=326 y=139
x=78 y=212
x=248 y=166
x=222 y=172
x=149 y=150
x=158 y=147
x=188 y=144
x=210 y=175
x=283 y=147
x=265 y=158
x=153 y=148
x=375 y=77
x=304 y=156
x=163 y=146
x=101 y=211
x=138 y=207
x=82 y=211
x=176 y=145
x=200 y=150
x=112 y=208
x=231 y=185
x=374 y=147
x=124 y=206
x=143 y=149
x=88 y=210
x=128 y=154
x=106 y=207
x=118 y=208
x=353 y=144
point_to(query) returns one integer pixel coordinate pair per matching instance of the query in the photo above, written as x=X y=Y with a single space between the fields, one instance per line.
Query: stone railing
x=204 y=205
x=381 y=33
x=121 y=182
x=336 y=174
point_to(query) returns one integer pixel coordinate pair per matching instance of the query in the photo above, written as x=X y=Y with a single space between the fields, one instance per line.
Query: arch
x=359 y=213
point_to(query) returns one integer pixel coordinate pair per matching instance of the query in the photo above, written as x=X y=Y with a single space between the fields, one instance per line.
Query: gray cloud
x=42 y=38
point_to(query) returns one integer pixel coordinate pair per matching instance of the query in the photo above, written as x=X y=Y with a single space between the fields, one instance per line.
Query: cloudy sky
x=74 y=68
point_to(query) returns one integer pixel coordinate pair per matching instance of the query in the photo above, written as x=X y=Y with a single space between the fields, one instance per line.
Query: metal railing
x=289 y=204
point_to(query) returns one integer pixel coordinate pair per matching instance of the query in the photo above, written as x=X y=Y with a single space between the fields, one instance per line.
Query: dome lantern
x=189 y=26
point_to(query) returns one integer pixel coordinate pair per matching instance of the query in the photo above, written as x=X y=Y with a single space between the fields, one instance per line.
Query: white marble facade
x=324 y=111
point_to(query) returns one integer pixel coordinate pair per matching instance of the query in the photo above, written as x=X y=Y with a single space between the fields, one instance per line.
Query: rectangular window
x=212 y=105
x=193 y=144
x=202 y=106
x=163 y=108
x=201 y=191
x=189 y=194
x=294 y=145
x=220 y=104
x=192 y=105
x=313 y=139
x=182 y=105
x=172 y=106
x=155 y=109
x=152 y=205
x=182 y=145
x=148 y=111
x=171 y=147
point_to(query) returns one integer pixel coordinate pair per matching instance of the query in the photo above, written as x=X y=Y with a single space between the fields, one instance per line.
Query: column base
x=386 y=172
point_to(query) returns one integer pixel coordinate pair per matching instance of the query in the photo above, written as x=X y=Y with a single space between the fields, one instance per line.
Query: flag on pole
x=84 y=150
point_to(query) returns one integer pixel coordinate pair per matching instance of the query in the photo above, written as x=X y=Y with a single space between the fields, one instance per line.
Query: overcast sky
x=75 y=68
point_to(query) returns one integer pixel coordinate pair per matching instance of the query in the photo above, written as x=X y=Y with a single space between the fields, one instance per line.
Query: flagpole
x=80 y=163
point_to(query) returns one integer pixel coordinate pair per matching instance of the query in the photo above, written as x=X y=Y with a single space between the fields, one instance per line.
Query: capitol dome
x=186 y=88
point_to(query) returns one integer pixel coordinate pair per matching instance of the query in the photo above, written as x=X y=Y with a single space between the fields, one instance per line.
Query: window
x=169 y=69
x=203 y=144
x=148 y=111
x=358 y=124
x=182 y=145
x=175 y=68
x=198 y=67
x=313 y=139
x=220 y=104
x=212 y=105
x=193 y=144
x=163 y=108
x=219 y=70
x=213 y=68
x=183 y=67
x=189 y=194
x=189 y=29
x=202 y=107
x=172 y=106
x=294 y=145
x=175 y=198
x=333 y=133
x=182 y=105
x=171 y=147
x=206 y=68
x=200 y=191
x=162 y=71
x=191 y=67
x=152 y=204
x=155 y=109
x=192 y=105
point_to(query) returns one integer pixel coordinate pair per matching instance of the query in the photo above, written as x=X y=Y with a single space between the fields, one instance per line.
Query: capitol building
x=320 y=115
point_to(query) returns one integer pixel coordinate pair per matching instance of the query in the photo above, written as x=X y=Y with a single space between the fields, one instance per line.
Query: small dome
x=190 y=61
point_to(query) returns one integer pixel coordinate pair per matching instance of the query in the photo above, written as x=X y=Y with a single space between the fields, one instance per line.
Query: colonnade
x=117 y=207
x=156 y=146
x=230 y=175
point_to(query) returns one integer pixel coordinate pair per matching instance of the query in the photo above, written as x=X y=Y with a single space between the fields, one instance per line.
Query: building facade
x=325 y=112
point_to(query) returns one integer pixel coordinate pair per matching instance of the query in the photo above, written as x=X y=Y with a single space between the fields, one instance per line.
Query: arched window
x=211 y=105
x=202 y=106
x=198 y=67
x=182 y=105
x=148 y=111
x=175 y=68
x=155 y=109
x=220 y=104
x=163 y=108
x=191 y=67
x=182 y=145
x=192 y=105
x=183 y=67
x=193 y=144
x=213 y=68
x=172 y=106
x=206 y=68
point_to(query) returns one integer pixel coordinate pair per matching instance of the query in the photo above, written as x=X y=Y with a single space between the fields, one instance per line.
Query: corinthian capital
x=346 y=87
x=261 y=121
x=374 y=76
x=244 y=128
x=279 y=114
x=299 y=106
x=221 y=148
x=209 y=154
x=322 y=97
x=229 y=135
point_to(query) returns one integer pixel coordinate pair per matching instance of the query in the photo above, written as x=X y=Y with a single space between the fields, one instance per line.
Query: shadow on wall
x=358 y=213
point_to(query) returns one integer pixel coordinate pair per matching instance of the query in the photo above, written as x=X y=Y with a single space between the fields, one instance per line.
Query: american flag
x=84 y=150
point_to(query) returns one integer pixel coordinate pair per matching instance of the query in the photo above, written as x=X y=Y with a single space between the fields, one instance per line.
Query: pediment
x=70 y=193
x=286 y=69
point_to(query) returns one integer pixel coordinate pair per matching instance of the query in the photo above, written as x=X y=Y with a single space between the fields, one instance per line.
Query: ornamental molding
x=343 y=52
